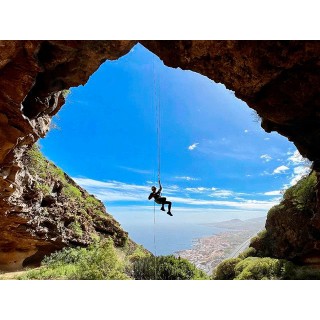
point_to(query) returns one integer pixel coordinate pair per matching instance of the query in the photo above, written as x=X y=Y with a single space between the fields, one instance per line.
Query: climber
x=160 y=200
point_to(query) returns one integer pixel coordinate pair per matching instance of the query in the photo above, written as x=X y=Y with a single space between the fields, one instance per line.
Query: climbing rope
x=154 y=241
x=156 y=105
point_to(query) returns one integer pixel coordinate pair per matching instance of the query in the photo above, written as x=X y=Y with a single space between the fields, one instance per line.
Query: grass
x=302 y=194
x=76 y=204
x=102 y=261
x=99 y=261
x=48 y=172
x=76 y=228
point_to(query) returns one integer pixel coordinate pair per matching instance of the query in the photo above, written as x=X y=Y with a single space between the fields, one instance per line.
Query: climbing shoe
x=163 y=209
x=170 y=214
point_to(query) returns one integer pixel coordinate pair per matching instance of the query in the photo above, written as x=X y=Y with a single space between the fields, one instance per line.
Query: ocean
x=168 y=239
x=167 y=235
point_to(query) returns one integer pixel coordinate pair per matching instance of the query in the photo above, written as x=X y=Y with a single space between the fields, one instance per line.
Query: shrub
x=253 y=268
x=249 y=252
x=99 y=261
x=92 y=202
x=44 y=188
x=302 y=195
x=292 y=271
x=260 y=235
x=37 y=162
x=138 y=253
x=71 y=191
x=65 y=93
x=226 y=269
x=306 y=273
x=76 y=228
x=166 y=268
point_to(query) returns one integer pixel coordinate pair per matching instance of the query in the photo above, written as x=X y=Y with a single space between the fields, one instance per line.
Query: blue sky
x=216 y=161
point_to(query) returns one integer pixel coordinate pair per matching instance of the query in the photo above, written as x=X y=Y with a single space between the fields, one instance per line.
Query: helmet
x=153 y=188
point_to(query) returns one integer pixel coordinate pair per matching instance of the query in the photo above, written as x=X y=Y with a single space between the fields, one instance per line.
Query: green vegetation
x=166 y=268
x=93 y=204
x=256 y=268
x=65 y=93
x=48 y=172
x=102 y=261
x=39 y=166
x=37 y=163
x=76 y=228
x=99 y=261
x=72 y=192
x=256 y=264
x=44 y=188
x=249 y=252
x=226 y=269
x=302 y=195
x=48 y=176
x=138 y=253
x=253 y=268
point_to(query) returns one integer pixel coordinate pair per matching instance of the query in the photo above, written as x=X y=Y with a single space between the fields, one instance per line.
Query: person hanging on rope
x=160 y=200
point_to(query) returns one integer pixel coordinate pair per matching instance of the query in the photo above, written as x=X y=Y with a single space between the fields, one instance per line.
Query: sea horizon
x=169 y=235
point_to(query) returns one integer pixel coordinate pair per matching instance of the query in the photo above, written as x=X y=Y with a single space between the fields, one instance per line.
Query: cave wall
x=33 y=76
x=278 y=79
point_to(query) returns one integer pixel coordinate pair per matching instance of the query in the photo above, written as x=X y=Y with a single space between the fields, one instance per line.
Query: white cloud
x=266 y=157
x=197 y=189
x=214 y=192
x=246 y=131
x=247 y=204
x=273 y=193
x=265 y=173
x=296 y=158
x=110 y=191
x=186 y=178
x=221 y=193
x=266 y=139
x=140 y=171
x=193 y=146
x=117 y=185
x=280 y=169
x=298 y=173
x=116 y=191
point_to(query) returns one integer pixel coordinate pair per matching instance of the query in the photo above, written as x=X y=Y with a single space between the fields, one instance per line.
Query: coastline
x=207 y=252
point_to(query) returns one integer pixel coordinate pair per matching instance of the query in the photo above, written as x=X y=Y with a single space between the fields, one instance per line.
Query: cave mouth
x=217 y=162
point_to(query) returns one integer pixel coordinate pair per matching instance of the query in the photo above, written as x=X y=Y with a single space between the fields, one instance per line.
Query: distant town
x=206 y=253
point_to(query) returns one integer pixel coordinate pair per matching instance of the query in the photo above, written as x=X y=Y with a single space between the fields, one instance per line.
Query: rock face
x=292 y=227
x=54 y=212
x=279 y=79
x=33 y=75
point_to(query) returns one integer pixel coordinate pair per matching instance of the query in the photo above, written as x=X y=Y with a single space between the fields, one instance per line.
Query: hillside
x=57 y=213
x=287 y=248
x=233 y=238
